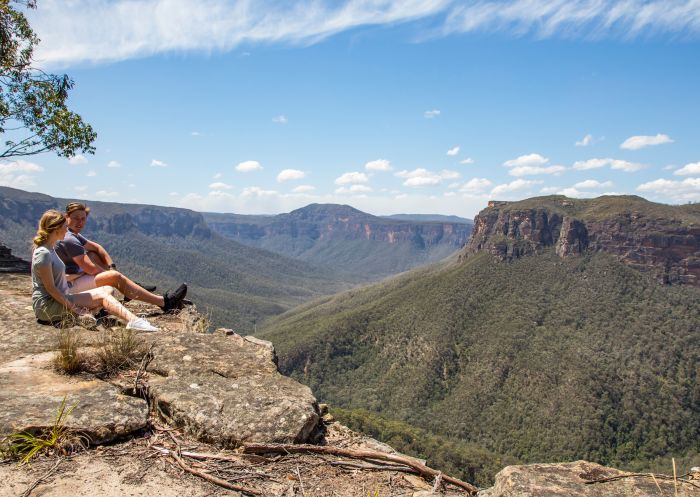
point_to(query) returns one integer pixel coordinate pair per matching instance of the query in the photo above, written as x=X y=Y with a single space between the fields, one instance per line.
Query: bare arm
x=86 y=264
x=100 y=251
x=46 y=277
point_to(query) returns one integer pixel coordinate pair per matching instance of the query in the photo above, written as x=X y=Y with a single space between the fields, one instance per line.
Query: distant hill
x=239 y=285
x=346 y=239
x=430 y=218
x=551 y=337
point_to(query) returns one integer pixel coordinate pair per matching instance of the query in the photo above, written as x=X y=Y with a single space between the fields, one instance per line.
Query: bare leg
x=127 y=287
x=99 y=297
x=97 y=260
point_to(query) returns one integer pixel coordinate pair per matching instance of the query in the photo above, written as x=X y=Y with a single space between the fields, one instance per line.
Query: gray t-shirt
x=43 y=256
x=71 y=246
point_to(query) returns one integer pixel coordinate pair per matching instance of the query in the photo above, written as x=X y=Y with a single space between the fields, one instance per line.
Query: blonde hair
x=50 y=221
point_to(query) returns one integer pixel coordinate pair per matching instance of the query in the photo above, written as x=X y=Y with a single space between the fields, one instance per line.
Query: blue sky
x=421 y=106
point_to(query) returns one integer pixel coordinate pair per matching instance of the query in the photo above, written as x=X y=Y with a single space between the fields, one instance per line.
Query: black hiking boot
x=173 y=299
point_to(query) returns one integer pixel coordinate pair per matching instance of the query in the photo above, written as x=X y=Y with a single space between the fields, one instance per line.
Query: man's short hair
x=76 y=206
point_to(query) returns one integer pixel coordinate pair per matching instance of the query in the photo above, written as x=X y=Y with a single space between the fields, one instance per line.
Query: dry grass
x=121 y=349
x=68 y=358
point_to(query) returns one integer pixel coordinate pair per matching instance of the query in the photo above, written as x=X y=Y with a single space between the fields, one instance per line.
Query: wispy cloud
x=514 y=186
x=431 y=114
x=248 y=166
x=280 y=119
x=588 y=19
x=113 y=164
x=585 y=141
x=353 y=189
x=290 y=175
x=622 y=165
x=158 y=163
x=220 y=186
x=453 y=151
x=304 y=189
x=113 y=30
x=637 y=142
x=532 y=164
x=592 y=183
x=476 y=185
x=527 y=160
x=468 y=160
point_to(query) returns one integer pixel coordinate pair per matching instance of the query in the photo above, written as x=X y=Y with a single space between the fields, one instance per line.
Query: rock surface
x=227 y=390
x=569 y=480
x=661 y=239
x=31 y=394
x=11 y=264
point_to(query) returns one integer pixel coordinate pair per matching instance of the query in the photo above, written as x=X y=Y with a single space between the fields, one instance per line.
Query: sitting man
x=89 y=265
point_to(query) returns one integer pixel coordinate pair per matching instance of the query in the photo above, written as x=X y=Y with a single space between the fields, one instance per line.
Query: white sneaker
x=140 y=324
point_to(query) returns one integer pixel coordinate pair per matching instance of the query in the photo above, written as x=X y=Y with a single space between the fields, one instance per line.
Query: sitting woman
x=51 y=299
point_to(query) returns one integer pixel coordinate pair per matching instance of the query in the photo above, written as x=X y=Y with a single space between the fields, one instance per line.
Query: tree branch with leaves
x=32 y=102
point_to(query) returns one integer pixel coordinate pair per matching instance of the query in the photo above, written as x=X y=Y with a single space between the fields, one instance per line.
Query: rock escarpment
x=11 y=264
x=660 y=239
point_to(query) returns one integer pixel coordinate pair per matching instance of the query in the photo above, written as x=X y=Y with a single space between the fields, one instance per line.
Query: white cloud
x=592 y=183
x=533 y=170
x=220 y=186
x=351 y=178
x=475 y=185
x=113 y=164
x=527 y=160
x=19 y=166
x=82 y=31
x=77 y=160
x=279 y=119
x=248 y=166
x=585 y=141
x=422 y=177
x=548 y=190
x=353 y=189
x=513 y=186
x=692 y=169
x=92 y=173
x=304 y=189
x=453 y=151
x=290 y=175
x=196 y=133
x=132 y=185
x=628 y=167
x=468 y=160
x=449 y=194
x=111 y=30
x=255 y=191
x=576 y=18
x=378 y=165
x=431 y=114
x=106 y=194
x=687 y=190
x=217 y=176
x=158 y=163
x=637 y=142
x=573 y=192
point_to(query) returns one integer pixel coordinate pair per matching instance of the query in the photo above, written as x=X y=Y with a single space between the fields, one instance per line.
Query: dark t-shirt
x=71 y=246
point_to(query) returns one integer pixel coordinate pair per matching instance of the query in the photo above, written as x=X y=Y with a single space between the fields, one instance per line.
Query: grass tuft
x=25 y=446
x=119 y=350
x=68 y=358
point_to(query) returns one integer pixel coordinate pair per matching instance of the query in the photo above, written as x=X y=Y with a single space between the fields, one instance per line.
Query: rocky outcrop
x=663 y=240
x=11 y=264
x=227 y=390
x=570 y=480
x=31 y=394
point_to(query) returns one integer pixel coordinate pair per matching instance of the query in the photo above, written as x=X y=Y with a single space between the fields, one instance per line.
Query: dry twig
x=212 y=479
x=422 y=469
x=41 y=478
x=641 y=475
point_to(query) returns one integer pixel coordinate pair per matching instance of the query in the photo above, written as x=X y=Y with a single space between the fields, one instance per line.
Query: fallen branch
x=40 y=479
x=373 y=467
x=197 y=455
x=641 y=475
x=213 y=479
x=422 y=469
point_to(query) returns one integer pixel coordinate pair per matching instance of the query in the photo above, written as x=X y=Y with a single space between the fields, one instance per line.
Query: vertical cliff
x=663 y=240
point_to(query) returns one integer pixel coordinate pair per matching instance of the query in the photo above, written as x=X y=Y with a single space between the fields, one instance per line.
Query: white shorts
x=82 y=284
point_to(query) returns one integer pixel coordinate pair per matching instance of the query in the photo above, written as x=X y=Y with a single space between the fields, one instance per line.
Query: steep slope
x=345 y=238
x=237 y=284
x=538 y=357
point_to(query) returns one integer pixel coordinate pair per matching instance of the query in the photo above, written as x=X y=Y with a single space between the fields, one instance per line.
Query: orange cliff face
x=665 y=242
